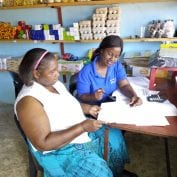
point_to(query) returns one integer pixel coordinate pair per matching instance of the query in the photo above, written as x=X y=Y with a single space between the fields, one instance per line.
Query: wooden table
x=162 y=131
x=168 y=89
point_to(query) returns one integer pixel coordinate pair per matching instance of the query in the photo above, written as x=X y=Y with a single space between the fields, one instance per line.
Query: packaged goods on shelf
x=22 y=30
x=67 y=36
x=28 y=2
x=18 y=2
x=3 y=62
x=85 y=24
x=98 y=23
x=138 y=62
x=139 y=66
x=112 y=23
x=140 y=71
x=47 y=32
x=113 y=17
x=6 y=30
x=99 y=17
x=70 y=66
x=88 y=36
x=8 y=3
x=50 y=1
x=102 y=10
x=74 y=31
x=1 y=3
x=13 y=64
x=168 y=52
x=114 y=10
x=171 y=45
x=98 y=30
x=112 y=30
x=85 y=30
x=160 y=29
x=99 y=36
x=83 y=0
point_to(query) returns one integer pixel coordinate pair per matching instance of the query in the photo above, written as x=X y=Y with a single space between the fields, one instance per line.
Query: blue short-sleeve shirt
x=89 y=80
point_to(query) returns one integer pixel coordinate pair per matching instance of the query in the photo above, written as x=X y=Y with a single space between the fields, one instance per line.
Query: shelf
x=80 y=3
x=102 y=2
x=88 y=41
x=24 y=7
x=151 y=40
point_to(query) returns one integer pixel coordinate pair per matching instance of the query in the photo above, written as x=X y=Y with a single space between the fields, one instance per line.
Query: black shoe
x=129 y=174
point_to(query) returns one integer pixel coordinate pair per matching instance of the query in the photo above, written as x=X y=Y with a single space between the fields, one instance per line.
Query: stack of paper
x=147 y=114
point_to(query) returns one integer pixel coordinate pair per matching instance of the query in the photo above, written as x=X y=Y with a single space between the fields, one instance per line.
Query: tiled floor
x=147 y=153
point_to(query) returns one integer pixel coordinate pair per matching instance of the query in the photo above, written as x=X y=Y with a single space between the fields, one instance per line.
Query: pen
x=113 y=98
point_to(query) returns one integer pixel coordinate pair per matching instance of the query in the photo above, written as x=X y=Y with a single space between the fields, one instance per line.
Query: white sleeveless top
x=63 y=110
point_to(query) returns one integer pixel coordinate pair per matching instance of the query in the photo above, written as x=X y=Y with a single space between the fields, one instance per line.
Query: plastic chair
x=34 y=167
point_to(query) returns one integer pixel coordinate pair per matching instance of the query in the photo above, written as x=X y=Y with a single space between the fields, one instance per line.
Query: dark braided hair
x=108 y=42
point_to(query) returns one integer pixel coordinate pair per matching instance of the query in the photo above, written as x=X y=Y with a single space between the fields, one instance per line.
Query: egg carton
x=87 y=36
x=103 y=10
x=114 y=10
x=112 y=23
x=99 y=17
x=85 y=24
x=99 y=36
x=98 y=23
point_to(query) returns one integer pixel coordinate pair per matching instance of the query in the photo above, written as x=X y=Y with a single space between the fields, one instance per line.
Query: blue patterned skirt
x=117 y=150
x=86 y=160
x=74 y=160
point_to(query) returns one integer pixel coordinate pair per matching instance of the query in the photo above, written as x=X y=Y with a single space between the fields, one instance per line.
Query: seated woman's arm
x=36 y=127
x=90 y=109
x=96 y=96
x=129 y=92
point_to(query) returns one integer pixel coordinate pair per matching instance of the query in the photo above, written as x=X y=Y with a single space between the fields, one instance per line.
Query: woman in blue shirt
x=97 y=81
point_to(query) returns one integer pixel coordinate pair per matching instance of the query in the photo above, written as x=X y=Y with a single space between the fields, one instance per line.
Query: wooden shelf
x=24 y=7
x=151 y=40
x=102 y=2
x=88 y=41
x=80 y=3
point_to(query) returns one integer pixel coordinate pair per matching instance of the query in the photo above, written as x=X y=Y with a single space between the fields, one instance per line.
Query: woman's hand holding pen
x=135 y=101
x=99 y=94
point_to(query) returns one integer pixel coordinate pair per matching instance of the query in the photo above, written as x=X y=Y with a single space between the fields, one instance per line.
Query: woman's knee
x=92 y=166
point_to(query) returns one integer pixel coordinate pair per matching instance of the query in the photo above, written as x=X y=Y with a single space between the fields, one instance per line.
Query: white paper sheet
x=147 y=114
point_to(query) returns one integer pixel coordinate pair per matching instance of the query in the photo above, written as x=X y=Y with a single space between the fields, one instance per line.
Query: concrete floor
x=147 y=153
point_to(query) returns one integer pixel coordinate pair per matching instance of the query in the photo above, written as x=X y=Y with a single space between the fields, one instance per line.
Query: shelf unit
x=85 y=3
x=58 y=6
x=89 y=41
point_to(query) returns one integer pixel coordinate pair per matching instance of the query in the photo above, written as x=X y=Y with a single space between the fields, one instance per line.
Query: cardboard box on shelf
x=140 y=71
x=139 y=66
x=70 y=66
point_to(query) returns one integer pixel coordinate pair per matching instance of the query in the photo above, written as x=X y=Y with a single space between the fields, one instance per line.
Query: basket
x=12 y=64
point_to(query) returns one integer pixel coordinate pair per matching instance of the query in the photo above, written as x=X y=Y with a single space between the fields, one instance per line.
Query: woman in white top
x=54 y=123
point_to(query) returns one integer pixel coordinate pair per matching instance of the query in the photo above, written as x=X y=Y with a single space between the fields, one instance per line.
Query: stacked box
x=74 y=31
x=85 y=30
x=99 y=22
x=113 y=21
x=47 y=32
